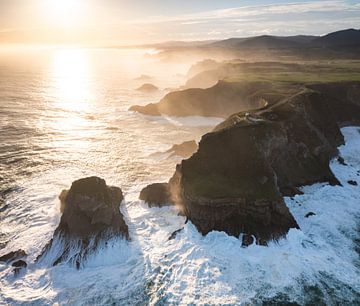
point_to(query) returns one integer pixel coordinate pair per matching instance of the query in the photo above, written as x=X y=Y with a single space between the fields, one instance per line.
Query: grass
x=305 y=72
x=217 y=187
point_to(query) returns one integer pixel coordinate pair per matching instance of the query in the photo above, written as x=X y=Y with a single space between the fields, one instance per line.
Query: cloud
x=312 y=17
x=258 y=10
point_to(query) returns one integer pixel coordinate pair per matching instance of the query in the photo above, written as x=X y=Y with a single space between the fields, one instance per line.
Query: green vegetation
x=216 y=186
x=300 y=72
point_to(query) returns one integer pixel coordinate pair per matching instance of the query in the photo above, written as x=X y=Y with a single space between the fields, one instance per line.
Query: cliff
x=221 y=100
x=236 y=179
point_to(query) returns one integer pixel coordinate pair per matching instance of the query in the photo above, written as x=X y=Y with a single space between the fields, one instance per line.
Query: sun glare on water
x=71 y=95
x=70 y=78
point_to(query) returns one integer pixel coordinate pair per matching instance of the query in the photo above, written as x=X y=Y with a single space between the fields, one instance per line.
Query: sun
x=65 y=13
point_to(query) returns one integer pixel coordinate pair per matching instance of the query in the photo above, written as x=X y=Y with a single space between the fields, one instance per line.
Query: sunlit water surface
x=64 y=115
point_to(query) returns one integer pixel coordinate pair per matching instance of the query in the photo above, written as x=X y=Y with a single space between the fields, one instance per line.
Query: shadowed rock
x=247 y=240
x=234 y=182
x=157 y=194
x=90 y=208
x=90 y=213
x=185 y=149
x=18 y=265
x=13 y=256
x=175 y=233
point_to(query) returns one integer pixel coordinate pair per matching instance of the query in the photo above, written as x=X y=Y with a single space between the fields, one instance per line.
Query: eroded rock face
x=14 y=255
x=236 y=179
x=185 y=149
x=221 y=100
x=90 y=208
x=90 y=214
x=157 y=195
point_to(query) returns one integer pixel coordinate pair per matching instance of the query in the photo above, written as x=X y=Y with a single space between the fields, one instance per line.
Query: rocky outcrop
x=14 y=255
x=156 y=195
x=90 y=214
x=236 y=180
x=18 y=265
x=184 y=150
x=205 y=65
x=221 y=100
x=147 y=87
x=91 y=208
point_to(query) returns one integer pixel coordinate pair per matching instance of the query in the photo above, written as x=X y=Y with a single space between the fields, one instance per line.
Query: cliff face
x=236 y=179
x=221 y=100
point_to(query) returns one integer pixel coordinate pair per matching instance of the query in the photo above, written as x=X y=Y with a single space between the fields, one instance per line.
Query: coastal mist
x=64 y=115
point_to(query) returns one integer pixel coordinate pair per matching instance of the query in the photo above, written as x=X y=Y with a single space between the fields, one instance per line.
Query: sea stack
x=90 y=214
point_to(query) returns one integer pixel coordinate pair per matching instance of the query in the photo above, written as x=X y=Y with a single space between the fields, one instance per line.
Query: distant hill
x=228 y=43
x=349 y=37
x=265 y=41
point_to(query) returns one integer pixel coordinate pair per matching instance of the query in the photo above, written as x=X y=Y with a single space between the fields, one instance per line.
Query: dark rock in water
x=247 y=240
x=91 y=213
x=90 y=208
x=13 y=256
x=174 y=234
x=221 y=100
x=233 y=182
x=185 y=149
x=19 y=264
x=261 y=241
x=309 y=214
x=341 y=161
x=147 y=87
x=157 y=194
x=352 y=182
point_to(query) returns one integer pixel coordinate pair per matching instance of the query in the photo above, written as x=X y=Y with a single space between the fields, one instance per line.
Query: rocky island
x=90 y=214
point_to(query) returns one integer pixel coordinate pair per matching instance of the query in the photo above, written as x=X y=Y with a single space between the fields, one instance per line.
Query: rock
x=90 y=214
x=247 y=240
x=90 y=208
x=185 y=149
x=233 y=182
x=174 y=234
x=351 y=182
x=204 y=65
x=157 y=194
x=147 y=87
x=13 y=256
x=221 y=100
x=309 y=214
x=341 y=161
x=19 y=264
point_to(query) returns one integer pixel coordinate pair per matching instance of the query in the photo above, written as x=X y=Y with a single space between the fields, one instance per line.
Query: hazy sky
x=142 y=21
